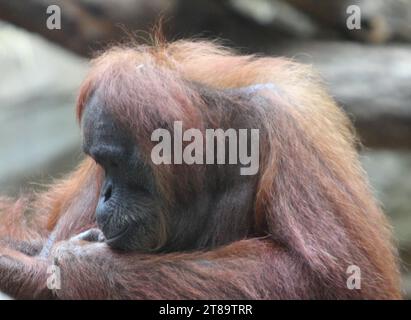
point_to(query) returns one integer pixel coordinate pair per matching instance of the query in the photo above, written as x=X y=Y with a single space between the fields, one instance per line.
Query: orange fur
x=313 y=200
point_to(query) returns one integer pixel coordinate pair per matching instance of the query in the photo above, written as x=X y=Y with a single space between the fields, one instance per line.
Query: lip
x=118 y=235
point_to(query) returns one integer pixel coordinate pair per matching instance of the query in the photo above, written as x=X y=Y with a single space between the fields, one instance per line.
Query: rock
x=38 y=86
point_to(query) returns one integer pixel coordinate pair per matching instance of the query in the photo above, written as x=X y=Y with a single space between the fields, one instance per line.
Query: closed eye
x=107 y=156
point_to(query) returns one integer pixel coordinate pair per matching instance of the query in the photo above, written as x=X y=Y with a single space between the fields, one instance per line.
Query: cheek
x=141 y=208
x=146 y=235
x=145 y=218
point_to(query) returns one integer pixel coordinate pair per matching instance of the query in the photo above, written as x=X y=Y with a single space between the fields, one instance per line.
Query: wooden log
x=372 y=83
x=90 y=25
x=277 y=15
x=86 y=25
x=381 y=20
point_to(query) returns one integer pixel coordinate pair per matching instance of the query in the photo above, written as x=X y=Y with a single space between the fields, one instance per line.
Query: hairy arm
x=22 y=276
x=248 y=269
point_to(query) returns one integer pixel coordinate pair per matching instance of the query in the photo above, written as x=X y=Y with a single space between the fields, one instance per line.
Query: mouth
x=118 y=235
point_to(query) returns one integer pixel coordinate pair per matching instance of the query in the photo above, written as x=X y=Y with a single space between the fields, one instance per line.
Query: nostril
x=108 y=192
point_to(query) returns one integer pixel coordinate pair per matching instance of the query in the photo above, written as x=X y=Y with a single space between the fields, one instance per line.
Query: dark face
x=128 y=209
x=209 y=209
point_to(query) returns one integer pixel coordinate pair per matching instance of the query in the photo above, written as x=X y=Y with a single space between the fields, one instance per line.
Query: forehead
x=96 y=117
x=99 y=126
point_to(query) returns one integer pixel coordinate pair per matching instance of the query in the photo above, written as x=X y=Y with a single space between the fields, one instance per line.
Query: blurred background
x=366 y=66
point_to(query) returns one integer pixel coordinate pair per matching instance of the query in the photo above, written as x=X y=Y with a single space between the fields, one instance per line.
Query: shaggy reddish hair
x=312 y=202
